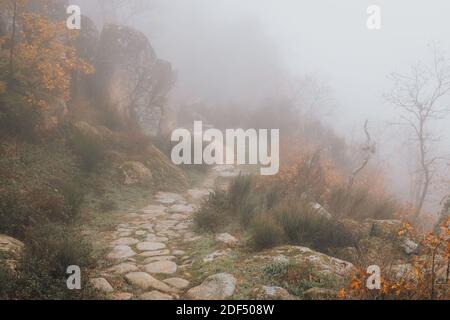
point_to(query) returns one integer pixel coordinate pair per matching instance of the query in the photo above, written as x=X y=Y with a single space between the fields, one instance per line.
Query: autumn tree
x=419 y=97
x=37 y=58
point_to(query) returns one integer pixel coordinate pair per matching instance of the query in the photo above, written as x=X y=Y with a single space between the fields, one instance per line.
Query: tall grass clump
x=265 y=232
x=212 y=214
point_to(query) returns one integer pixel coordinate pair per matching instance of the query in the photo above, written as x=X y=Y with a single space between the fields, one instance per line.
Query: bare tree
x=419 y=97
x=368 y=149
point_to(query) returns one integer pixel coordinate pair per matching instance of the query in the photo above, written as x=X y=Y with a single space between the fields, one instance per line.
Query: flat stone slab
x=178 y=252
x=198 y=194
x=158 y=258
x=178 y=283
x=181 y=208
x=122 y=296
x=153 y=210
x=164 y=252
x=178 y=217
x=155 y=238
x=163 y=267
x=150 y=246
x=155 y=295
x=125 y=241
x=169 y=198
x=121 y=252
x=101 y=284
x=122 y=268
x=145 y=281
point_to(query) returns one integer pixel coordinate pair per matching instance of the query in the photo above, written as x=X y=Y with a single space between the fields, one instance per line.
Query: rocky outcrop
x=319 y=262
x=132 y=83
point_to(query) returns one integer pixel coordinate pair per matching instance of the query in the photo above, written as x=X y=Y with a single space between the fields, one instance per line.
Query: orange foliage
x=43 y=60
x=426 y=278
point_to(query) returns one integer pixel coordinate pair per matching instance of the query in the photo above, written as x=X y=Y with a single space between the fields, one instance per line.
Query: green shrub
x=239 y=190
x=250 y=206
x=303 y=225
x=212 y=214
x=15 y=214
x=265 y=232
x=358 y=204
x=19 y=211
x=73 y=194
x=90 y=151
x=107 y=205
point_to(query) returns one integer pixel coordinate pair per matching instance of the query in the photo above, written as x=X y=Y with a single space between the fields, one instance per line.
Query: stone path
x=146 y=250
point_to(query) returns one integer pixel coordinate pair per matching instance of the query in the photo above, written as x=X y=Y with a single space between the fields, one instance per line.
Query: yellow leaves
x=44 y=59
x=355 y=284
x=342 y=294
x=406 y=229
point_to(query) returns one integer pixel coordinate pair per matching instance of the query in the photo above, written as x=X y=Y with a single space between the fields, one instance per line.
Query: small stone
x=166 y=267
x=409 y=246
x=101 y=284
x=178 y=252
x=227 y=239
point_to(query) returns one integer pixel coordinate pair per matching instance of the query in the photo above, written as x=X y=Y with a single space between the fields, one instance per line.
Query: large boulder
x=385 y=228
x=136 y=173
x=271 y=293
x=216 y=287
x=319 y=262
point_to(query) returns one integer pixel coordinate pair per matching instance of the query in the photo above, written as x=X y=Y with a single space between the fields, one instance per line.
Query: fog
x=229 y=51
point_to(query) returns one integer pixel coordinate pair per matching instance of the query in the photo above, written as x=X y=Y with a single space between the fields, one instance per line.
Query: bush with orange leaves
x=424 y=277
x=309 y=172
